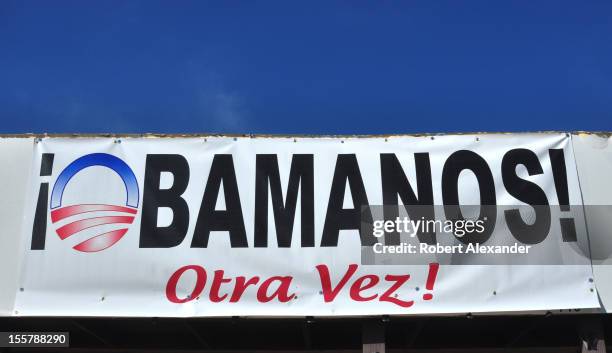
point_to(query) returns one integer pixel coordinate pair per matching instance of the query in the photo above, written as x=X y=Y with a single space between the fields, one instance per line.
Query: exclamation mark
x=39 y=228
x=431 y=280
x=557 y=161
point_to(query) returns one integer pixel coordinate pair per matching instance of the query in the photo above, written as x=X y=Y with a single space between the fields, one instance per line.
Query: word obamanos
x=300 y=191
x=368 y=287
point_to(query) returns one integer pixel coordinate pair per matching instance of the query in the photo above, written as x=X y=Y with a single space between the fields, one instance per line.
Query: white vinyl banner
x=223 y=226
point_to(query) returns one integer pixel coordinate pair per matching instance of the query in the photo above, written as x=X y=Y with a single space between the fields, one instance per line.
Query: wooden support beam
x=373 y=336
x=196 y=335
x=91 y=333
x=591 y=335
x=413 y=336
x=307 y=332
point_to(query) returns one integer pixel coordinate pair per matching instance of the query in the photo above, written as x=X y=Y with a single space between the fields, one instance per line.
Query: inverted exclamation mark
x=431 y=280
x=39 y=229
x=557 y=161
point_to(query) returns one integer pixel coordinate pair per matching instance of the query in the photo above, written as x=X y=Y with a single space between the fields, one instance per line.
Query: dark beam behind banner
x=554 y=333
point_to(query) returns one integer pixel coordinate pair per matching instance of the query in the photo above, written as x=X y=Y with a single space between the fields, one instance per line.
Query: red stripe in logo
x=64 y=212
x=101 y=242
x=77 y=226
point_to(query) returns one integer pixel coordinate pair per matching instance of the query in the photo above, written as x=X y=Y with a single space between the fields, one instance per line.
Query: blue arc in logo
x=97 y=159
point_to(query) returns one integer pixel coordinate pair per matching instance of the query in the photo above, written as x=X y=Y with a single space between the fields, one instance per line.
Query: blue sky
x=310 y=67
